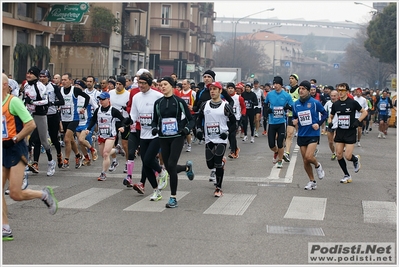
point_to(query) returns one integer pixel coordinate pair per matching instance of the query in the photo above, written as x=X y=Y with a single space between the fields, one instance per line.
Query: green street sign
x=67 y=13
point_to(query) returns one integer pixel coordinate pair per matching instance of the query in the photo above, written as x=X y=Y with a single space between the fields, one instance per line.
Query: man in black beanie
x=122 y=80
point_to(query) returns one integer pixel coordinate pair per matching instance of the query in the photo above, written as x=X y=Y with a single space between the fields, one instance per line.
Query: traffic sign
x=336 y=65
x=287 y=64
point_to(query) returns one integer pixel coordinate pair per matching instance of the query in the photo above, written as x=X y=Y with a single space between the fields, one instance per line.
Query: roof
x=267 y=36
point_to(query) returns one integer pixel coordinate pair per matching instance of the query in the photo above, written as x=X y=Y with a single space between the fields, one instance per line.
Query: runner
x=383 y=104
x=172 y=120
x=331 y=131
x=216 y=119
x=294 y=93
x=306 y=114
x=251 y=102
x=258 y=109
x=363 y=103
x=345 y=134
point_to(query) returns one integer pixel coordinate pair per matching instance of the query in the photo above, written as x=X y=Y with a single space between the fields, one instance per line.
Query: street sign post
x=336 y=65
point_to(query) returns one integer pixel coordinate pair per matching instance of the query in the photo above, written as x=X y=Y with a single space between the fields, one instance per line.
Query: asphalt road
x=265 y=216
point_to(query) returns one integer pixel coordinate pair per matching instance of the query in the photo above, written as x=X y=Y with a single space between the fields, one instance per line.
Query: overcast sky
x=335 y=11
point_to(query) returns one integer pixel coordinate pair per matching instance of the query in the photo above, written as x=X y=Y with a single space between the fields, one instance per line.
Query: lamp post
x=235 y=32
x=274 y=52
x=372 y=12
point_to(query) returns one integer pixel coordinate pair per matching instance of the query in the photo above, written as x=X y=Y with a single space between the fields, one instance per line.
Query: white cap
x=141 y=71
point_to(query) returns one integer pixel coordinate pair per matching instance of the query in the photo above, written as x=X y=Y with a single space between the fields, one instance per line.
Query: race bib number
x=66 y=110
x=383 y=106
x=248 y=104
x=278 y=112
x=187 y=100
x=305 y=117
x=145 y=120
x=344 y=121
x=5 y=132
x=213 y=128
x=235 y=110
x=105 y=131
x=169 y=126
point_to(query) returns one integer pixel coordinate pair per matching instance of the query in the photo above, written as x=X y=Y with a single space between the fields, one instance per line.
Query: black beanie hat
x=112 y=81
x=35 y=71
x=122 y=80
x=230 y=85
x=146 y=77
x=210 y=72
x=278 y=80
x=169 y=80
x=305 y=84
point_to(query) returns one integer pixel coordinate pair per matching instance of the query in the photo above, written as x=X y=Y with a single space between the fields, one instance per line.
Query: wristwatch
x=14 y=139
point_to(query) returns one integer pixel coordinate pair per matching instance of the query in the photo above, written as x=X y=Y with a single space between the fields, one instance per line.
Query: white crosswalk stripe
x=379 y=212
x=307 y=208
x=231 y=204
x=87 y=198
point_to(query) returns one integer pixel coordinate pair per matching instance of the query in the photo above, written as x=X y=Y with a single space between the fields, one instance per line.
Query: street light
x=235 y=32
x=372 y=12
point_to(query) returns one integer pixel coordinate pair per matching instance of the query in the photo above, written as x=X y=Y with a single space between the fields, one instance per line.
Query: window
x=40 y=12
x=39 y=40
x=22 y=37
x=165 y=47
x=7 y=7
x=25 y=10
x=165 y=14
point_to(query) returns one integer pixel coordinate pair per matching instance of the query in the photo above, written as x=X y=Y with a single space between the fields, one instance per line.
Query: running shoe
x=59 y=160
x=256 y=134
x=218 y=192
x=7 y=235
x=286 y=157
x=358 y=144
x=212 y=176
x=172 y=203
x=315 y=152
x=275 y=157
x=25 y=181
x=51 y=168
x=383 y=136
x=156 y=195
x=333 y=156
x=245 y=138
x=380 y=135
x=120 y=150
x=279 y=164
x=188 y=148
x=320 y=172
x=232 y=155
x=102 y=177
x=139 y=188
x=86 y=162
x=252 y=139
x=264 y=133
x=128 y=181
x=163 y=179
x=94 y=155
x=346 y=179
x=113 y=166
x=34 y=167
x=189 y=172
x=356 y=164
x=78 y=161
x=65 y=164
x=311 y=185
x=50 y=200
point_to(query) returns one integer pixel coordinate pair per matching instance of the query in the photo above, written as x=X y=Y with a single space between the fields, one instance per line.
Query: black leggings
x=171 y=149
x=214 y=159
x=274 y=129
x=250 y=116
x=53 y=124
x=233 y=139
x=133 y=144
x=149 y=148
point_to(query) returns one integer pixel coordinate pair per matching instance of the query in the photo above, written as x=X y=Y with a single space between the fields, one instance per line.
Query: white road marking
x=306 y=208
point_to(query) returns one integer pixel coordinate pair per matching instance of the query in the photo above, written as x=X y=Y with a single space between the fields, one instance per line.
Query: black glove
x=200 y=134
x=124 y=108
x=28 y=100
x=154 y=131
x=8 y=143
x=223 y=136
x=184 y=131
x=330 y=125
x=287 y=107
x=269 y=111
x=356 y=123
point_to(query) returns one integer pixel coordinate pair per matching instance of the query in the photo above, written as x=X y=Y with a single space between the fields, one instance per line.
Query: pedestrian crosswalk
x=231 y=204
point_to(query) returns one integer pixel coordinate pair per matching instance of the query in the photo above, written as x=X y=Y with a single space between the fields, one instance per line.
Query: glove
x=28 y=100
x=124 y=108
x=8 y=143
x=287 y=107
x=269 y=111
x=356 y=123
x=330 y=125
x=154 y=131
x=184 y=131
x=223 y=136
x=200 y=134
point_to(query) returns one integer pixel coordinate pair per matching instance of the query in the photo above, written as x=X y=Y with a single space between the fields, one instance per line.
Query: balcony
x=137 y=7
x=175 y=54
x=82 y=37
x=134 y=43
x=182 y=25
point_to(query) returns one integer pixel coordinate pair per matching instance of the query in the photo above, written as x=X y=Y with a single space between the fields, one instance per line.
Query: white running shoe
x=163 y=179
x=156 y=195
x=320 y=172
x=358 y=144
x=188 y=148
x=346 y=179
x=51 y=168
x=245 y=138
x=356 y=164
x=252 y=139
x=311 y=185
